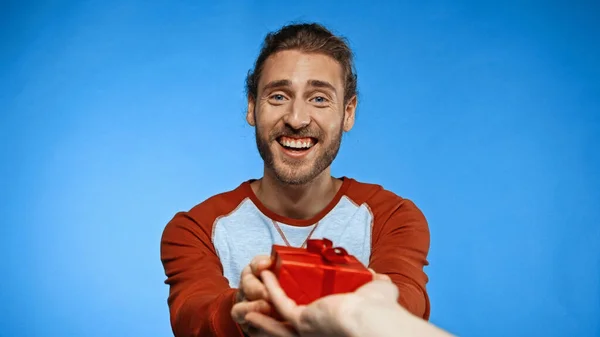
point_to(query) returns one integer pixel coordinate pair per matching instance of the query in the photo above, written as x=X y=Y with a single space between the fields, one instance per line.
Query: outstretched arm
x=400 y=248
x=200 y=299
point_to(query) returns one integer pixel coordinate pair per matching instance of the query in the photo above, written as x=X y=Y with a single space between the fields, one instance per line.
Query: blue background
x=115 y=115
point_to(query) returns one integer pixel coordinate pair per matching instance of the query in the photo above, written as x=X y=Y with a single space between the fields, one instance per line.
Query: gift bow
x=324 y=247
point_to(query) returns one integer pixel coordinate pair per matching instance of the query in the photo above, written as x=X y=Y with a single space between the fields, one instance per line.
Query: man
x=301 y=98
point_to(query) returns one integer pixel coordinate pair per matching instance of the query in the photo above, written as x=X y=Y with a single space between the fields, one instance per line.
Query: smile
x=296 y=147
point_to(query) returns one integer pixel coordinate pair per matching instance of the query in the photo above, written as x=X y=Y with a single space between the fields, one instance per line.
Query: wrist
x=352 y=316
x=375 y=319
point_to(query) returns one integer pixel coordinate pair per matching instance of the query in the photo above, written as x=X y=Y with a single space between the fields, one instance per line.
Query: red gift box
x=317 y=271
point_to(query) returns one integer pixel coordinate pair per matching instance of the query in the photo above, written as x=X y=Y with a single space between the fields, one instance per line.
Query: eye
x=319 y=99
x=277 y=97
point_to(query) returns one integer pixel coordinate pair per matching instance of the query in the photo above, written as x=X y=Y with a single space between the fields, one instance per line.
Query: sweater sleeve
x=400 y=249
x=200 y=299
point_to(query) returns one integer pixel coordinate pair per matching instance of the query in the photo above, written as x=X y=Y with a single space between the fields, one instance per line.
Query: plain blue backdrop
x=114 y=115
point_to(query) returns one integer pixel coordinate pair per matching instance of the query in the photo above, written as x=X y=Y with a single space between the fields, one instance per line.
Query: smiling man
x=301 y=98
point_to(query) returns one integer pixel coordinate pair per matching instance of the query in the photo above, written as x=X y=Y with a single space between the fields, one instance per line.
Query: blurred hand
x=333 y=315
x=252 y=295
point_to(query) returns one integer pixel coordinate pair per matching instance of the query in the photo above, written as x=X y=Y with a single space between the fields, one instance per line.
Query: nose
x=298 y=117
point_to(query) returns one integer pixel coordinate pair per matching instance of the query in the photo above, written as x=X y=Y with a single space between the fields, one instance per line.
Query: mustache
x=287 y=131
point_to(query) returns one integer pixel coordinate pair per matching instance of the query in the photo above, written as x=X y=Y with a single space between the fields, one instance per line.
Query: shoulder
x=391 y=212
x=397 y=222
x=201 y=217
x=382 y=202
x=220 y=204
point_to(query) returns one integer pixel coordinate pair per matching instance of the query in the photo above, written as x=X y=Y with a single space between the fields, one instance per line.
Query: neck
x=296 y=201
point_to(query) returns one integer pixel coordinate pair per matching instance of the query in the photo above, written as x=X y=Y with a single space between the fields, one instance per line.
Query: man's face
x=299 y=114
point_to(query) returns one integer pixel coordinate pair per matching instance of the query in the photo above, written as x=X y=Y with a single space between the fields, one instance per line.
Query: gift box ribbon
x=324 y=247
x=337 y=255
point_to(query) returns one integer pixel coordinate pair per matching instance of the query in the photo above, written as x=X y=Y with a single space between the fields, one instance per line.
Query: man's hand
x=332 y=315
x=252 y=295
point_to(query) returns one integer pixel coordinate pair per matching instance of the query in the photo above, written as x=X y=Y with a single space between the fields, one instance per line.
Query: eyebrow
x=277 y=84
x=322 y=84
x=288 y=83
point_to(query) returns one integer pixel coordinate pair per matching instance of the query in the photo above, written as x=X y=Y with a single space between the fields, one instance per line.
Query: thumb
x=382 y=277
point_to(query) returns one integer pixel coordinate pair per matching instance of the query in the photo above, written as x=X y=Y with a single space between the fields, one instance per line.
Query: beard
x=298 y=172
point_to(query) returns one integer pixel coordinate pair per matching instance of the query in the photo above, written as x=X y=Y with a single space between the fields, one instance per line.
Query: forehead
x=299 y=68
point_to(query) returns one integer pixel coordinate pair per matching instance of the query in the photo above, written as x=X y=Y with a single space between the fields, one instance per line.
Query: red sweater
x=203 y=250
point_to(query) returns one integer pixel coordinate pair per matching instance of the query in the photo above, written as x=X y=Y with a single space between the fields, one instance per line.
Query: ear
x=349 y=114
x=250 y=113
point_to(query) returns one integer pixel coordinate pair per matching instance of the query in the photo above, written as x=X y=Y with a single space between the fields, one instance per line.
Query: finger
x=287 y=308
x=260 y=263
x=240 y=310
x=246 y=271
x=269 y=325
x=382 y=277
x=377 y=276
x=253 y=288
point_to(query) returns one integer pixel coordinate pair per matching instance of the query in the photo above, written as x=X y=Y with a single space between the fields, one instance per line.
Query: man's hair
x=308 y=38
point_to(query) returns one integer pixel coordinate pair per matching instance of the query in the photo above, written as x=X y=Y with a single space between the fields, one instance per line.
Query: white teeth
x=297 y=144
